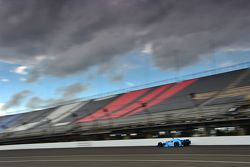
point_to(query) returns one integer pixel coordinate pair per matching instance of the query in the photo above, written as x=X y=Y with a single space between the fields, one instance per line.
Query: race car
x=175 y=142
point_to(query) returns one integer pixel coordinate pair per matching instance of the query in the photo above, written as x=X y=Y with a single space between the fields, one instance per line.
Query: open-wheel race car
x=175 y=142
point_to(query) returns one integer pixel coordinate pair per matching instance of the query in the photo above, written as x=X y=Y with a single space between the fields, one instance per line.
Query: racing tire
x=186 y=143
x=160 y=144
x=176 y=144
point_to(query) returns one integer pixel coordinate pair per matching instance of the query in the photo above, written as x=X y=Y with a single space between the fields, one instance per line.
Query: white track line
x=127 y=155
x=117 y=160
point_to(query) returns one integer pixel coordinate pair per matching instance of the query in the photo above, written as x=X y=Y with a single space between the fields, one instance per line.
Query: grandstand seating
x=62 y=112
x=29 y=120
x=115 y=105
x=88 y=109
x=169 y=99
x=8 y=121
x=176 y=96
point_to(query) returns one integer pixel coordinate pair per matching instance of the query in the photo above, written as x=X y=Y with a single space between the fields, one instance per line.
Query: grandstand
x=207 y=102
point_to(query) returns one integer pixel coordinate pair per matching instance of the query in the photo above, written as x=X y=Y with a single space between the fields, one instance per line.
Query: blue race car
x=175 y=142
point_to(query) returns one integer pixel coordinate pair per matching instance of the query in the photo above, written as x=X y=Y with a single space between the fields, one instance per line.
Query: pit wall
x=225 y=140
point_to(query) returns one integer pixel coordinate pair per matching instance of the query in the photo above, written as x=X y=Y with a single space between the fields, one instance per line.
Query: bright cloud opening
x=2 y=113
x=4 y=80
x=147 y=49
x=21 y=70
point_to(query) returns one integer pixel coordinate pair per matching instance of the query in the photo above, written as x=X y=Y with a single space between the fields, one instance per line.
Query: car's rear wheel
x=160 y=144
x=176 y=144
x=186 y=142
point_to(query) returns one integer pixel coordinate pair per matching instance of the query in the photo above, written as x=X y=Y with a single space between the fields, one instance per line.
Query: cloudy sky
x=57 y=50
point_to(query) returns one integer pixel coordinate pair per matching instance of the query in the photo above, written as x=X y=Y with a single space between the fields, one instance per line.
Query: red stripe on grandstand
x=175 y=89
x=115 y=105
x=136 y=105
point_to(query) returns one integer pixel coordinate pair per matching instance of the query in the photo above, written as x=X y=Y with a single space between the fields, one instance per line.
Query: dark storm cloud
x=36 y=102
x=70 y=92
x=75 y=35
x=17 y=99
x=66 y=93
x=117 y=78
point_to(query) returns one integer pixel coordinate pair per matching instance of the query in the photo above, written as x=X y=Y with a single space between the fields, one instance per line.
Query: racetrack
x=206 y=156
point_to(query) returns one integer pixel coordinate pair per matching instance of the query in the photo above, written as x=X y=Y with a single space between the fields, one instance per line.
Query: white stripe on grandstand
x=62 y=124
x=59 y=114
x=69 y=112
x=22 y=127
x=64 y=111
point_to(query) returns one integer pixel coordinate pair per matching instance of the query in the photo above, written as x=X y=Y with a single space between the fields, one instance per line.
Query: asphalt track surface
x=193 y=156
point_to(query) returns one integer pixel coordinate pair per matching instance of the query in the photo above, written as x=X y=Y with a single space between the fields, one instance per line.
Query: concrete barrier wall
x=225 y=140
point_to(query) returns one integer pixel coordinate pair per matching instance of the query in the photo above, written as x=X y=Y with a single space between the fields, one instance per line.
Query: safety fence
x=226 y=140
